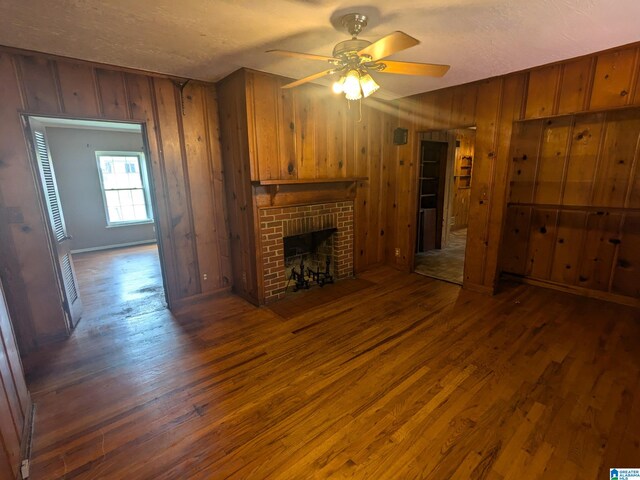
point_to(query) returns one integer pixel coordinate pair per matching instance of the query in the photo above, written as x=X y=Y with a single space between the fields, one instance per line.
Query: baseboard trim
x=110 y=247
x=575 y=290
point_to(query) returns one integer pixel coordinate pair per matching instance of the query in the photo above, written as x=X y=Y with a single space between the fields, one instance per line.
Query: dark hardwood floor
x=408 y=378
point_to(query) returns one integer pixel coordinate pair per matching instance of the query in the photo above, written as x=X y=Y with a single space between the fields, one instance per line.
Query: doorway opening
x=96 y=188
x=444 y=176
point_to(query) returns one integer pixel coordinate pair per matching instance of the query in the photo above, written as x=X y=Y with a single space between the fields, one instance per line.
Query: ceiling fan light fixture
x=368 y=85
x=338 y=86
x=351 y=85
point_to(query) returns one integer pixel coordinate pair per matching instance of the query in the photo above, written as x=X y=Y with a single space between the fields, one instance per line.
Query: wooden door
x=433 y=163
x=61 y=239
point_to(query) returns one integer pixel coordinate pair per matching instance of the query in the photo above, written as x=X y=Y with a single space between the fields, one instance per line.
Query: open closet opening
x=444 y=176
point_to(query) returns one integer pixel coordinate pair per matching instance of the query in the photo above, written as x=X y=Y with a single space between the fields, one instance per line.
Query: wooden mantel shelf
x=300 y=181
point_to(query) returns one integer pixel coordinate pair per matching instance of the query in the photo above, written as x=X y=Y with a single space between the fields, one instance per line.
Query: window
x=123 y=179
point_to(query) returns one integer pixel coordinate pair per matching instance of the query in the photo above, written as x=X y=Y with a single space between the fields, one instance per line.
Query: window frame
x=144 y=180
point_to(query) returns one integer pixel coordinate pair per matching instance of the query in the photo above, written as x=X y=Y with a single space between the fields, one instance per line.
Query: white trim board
x=109 y=247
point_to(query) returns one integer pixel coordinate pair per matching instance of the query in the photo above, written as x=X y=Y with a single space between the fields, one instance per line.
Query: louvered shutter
x=51 y=191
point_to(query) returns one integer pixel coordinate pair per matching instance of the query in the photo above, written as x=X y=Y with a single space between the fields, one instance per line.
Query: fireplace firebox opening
x=308 y=258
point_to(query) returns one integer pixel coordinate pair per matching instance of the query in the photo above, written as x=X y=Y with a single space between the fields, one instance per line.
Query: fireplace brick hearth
x=277 y=223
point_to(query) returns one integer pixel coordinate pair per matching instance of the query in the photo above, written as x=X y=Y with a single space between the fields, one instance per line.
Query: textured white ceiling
x=208 y=39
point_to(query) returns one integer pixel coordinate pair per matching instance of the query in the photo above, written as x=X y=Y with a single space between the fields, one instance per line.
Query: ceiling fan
x=354 y=59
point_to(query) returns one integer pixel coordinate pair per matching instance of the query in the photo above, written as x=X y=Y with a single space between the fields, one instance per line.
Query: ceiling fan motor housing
x=349 y=48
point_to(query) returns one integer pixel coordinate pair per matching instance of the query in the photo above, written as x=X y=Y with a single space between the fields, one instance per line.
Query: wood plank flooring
x=409 y=378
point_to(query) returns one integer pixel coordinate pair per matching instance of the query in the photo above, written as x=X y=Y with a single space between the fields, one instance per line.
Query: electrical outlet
x=244 y=278
x=204 y=276
x=397 y=251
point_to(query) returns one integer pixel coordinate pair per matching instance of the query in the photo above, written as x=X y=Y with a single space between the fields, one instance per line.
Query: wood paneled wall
x=593 y=83
x=574 y=208
x=15 y=403
x=303 y=134
x=461 y=190
x=182 y=134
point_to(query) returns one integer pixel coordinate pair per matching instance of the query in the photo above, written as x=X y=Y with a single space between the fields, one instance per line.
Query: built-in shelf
x=577 y=208
x=301 y=181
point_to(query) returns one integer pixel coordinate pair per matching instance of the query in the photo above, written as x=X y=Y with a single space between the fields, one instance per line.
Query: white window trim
x=145 y=186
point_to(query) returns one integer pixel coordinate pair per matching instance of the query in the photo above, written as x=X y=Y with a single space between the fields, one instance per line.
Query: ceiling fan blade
x=392 y=43
x=308 y=56
x=310 y=78
x=412 y=68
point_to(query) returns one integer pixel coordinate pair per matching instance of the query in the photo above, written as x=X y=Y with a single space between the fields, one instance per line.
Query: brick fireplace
x=279 y=222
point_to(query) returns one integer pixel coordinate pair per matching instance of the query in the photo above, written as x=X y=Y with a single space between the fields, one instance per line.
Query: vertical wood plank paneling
x=362 y=205
x=235 y=156
x=542 y=235
x=39 y=84
x=618 y=153
x=304 y=108
x=386 y=196
x=12 y=356
x=177 y=188
x=335 y=137
x=320 y=139
x=9 y=168
x=112 y=94
x=5 y=465
x=406 y=187
x=8 y=390
x=612 y=80
x=15 y=403
x=602 y=237
x=263 y=100
x=26 y=262
x=78 y=88
x=574 y=85
x=391 y=215
x=141 y=105
x=200 y=187
x=569 y=239
x=525 y=147
x=286 y=133
x=511 y=107
x=516 y=240
x=542 y=90
x=582 y=159
x=221 y=218
x=443 y=107
x=487 y=112
x=9 y=437
x=463 y=112
x=376 y=137
x=626 y=275
x=551 y=160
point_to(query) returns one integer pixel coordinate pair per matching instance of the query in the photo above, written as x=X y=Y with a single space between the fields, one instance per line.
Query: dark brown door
x=433 y=164
x=66 y=272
